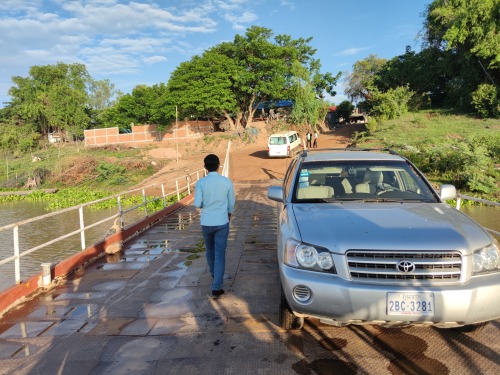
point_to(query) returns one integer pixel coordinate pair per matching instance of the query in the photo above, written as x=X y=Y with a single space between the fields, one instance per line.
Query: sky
x=144 y=41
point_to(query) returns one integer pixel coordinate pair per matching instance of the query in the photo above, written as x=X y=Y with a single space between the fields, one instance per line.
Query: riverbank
x=453 y=149
x=26 y=192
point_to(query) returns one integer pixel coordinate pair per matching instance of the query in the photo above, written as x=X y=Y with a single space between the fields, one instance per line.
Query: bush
x=468 y=166
x=18 y=138
x=111 y=172
x=371 y=125
x=486 y=100
x=391 y=104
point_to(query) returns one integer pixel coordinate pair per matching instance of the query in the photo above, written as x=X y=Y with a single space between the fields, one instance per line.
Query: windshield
x=384 y=181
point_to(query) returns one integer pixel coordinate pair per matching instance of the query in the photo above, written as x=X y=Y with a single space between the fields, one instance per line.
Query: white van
x=283 y=143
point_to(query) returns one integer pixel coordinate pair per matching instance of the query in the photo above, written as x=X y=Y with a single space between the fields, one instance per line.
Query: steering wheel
x=382 y=188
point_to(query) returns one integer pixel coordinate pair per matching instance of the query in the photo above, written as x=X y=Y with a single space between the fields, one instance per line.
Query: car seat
x=370 y=181
x=312 y=192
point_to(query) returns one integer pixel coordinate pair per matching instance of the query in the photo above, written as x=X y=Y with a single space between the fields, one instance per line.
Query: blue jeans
x=215 y=238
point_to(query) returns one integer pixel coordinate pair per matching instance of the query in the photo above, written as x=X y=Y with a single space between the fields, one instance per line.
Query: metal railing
x=479 y=200
x=149 y=194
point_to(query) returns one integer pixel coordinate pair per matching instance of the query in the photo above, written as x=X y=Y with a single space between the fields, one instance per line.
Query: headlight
x=302 y=255
x=486 y=259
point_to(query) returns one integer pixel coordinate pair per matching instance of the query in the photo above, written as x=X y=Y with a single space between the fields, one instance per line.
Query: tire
x=471 y=328
x=288 y=321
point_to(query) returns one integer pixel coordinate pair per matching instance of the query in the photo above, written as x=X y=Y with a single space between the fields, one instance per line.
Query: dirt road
x=252 y=163
x=248 y=162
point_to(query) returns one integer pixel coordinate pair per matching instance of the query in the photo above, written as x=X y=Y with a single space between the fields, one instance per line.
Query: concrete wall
x=146 y=134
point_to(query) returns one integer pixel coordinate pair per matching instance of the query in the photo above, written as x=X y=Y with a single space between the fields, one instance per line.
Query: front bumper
x=337 y=301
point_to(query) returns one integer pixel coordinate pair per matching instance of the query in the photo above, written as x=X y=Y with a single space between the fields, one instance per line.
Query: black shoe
x=217 y=293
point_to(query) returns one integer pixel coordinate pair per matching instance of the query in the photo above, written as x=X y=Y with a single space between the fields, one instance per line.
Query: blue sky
x=143 y=41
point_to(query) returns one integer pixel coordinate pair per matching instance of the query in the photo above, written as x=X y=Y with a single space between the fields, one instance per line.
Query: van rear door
x=278 y=146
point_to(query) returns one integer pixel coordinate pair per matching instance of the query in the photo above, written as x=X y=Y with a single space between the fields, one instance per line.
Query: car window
x=277 y=140
x=354 y=180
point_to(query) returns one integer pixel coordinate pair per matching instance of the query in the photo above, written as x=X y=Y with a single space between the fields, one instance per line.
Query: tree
x=308 y=109
x=361 y=80
x=203 y=86
x=261 y=70
x=52 y=97
x=345 y=109
x=233 y=78
x=101 y=97
x=467 y=32
x=469 y=25
x=144 y=105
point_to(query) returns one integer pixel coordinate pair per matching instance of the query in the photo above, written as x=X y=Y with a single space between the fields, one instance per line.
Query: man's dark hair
x=211 y=163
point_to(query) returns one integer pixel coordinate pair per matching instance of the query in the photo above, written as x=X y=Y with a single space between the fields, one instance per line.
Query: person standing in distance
x=308 y=137
x=214 y=194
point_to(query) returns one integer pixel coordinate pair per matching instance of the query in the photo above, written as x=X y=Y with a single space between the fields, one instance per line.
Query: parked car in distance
x=283 y=143
x=363 y=238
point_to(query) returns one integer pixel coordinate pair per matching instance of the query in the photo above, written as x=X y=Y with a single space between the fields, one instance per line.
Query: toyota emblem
x=405 y=266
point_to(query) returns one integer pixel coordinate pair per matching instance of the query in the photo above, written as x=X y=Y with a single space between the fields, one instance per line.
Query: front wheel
x=471 y=328
x=288 y=320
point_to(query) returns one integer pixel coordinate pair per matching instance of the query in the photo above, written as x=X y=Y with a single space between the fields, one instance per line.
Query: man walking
x=214 y=194
x=315 y=144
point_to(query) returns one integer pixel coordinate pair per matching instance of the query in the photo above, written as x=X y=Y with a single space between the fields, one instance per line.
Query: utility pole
x=176 y=140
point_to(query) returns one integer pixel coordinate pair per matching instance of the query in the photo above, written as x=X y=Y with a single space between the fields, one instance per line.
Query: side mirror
x=447 y=192
x=275 y=193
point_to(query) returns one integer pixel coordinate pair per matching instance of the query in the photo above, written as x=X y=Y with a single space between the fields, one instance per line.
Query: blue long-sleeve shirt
x=214 y=194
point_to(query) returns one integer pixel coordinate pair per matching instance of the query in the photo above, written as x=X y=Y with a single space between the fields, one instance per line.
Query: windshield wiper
x=377 y=200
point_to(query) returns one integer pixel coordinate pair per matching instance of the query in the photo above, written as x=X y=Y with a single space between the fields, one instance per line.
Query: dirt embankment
x=248 y=162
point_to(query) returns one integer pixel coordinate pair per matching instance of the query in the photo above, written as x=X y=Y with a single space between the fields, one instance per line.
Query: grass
x=431 y=128
x=70 y=164
x=448 y=148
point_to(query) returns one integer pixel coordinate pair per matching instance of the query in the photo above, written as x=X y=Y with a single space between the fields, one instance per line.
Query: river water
x=43 y=231
x=39 y=232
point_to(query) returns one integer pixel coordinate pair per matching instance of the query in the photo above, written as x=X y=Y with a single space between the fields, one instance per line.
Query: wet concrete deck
x=149 y=311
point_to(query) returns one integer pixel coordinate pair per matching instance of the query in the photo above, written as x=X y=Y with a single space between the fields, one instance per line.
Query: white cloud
x=351 y=51
x=154 y=59
x=288 y=3
x=19 y=5
x=240 y=20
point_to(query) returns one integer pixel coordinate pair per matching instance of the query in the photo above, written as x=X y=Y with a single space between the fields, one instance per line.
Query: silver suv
x=363 y=238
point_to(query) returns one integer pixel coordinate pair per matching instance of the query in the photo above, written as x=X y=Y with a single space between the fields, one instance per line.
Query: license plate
x=410 y=303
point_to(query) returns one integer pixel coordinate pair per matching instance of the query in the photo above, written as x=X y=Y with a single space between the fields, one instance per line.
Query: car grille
x=408 y=266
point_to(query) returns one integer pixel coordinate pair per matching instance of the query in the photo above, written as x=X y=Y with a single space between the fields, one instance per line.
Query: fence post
x=177 y=188
x=17 y=261
x=120 y=211
x=459 y=201
x=163 y=195
x=145 y=203
x=82 y=228
x=188 y=180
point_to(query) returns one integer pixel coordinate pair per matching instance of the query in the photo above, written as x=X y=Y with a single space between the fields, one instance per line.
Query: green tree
x=468 y=33
x=203 y=86
x=243 y=73
x=362 y=79
x=144 y=105
x=469 y=25
x=308 y=108
x=345 y=109
x=53 y=98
